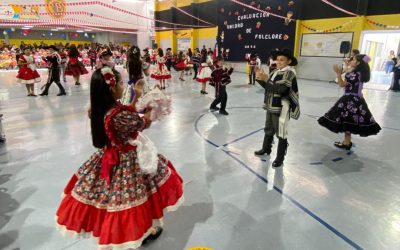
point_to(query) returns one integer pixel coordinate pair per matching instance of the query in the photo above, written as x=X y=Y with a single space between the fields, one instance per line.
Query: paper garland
x=381 y=25
x=337 y=28
x=114 y=8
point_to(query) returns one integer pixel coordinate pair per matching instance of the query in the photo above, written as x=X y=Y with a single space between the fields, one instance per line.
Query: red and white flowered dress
x=27 y=73
x=205 y=71
x=110 y=197
x=161 y=72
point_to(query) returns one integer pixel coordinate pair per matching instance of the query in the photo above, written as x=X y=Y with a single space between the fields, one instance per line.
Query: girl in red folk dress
x=181 y=65
x=161 y=72
x=115 y=196
x=75 y=68
x=28 y=74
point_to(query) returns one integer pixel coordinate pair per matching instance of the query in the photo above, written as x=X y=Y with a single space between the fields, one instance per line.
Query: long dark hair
x=363 y=68
x=180 y=56
x=134 y=63
x=190 y=53
x=203 y=58
x=73 y=51
x=160 y=52
x=101 y=100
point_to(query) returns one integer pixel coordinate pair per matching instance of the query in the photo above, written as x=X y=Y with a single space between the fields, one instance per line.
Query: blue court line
x=337 y=159
x=317 y=163
x=265 y=180
x=241 y=138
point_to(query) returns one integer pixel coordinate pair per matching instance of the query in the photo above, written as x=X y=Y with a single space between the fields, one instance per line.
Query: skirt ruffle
x=161 y=77
x=28 y=76
x=181 y=66
x=204 y=74
x=119 y=229
x=350 y=114
x=75 y=69
x=31 y=81
x=204 y=80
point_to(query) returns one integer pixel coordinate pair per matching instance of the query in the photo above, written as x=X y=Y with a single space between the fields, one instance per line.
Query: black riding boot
x=267 y=145
x=280 y=156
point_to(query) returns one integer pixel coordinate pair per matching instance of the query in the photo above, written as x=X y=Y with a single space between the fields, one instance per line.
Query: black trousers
x=252 y=76
x=222 y=97
x=195 y=68
x=396 y=80
x=168 y=63
x=92 y=62
x=54 y=76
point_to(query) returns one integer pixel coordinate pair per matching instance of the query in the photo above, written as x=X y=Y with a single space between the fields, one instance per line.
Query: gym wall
x=313 y=13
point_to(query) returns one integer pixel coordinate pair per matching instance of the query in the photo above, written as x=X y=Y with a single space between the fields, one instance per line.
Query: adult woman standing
x=396 y=75
x=390 y=62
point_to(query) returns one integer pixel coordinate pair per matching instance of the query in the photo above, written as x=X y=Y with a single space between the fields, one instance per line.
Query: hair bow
x=109 y=76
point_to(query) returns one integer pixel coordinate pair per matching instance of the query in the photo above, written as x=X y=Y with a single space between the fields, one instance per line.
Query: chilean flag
x=215 y=54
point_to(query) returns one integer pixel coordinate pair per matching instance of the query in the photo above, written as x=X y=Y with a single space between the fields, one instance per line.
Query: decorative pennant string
x=337 y=28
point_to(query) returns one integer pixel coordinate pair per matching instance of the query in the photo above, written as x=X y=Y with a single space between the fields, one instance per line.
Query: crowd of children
x=9 y=54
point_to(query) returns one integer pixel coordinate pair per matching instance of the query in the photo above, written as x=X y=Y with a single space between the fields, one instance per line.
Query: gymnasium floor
x=323 y=198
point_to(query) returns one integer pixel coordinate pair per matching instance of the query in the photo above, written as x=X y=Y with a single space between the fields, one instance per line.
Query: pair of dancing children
x=350 y=115
x=29 y=75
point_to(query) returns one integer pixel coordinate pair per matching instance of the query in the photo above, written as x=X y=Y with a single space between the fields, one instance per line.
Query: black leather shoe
x=277 y=164
x=212 y=109
x=152 y=237
x=44 y=94
x=223 y=112
x=62 y=93
x=262 y=152
x=343 y=146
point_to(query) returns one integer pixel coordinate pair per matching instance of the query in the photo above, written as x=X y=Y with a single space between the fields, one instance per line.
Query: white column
x=143 y=40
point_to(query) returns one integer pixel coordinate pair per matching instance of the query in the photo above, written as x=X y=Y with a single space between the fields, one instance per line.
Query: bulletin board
x=324 y=44
x=183 y=44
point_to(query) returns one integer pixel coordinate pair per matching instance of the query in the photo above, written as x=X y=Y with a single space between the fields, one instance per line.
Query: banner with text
x=243 y=30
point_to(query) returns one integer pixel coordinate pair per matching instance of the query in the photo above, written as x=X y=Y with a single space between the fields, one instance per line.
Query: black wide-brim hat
x=53 y=47
x=106 y=53
x=288 y=54
x=273 y=53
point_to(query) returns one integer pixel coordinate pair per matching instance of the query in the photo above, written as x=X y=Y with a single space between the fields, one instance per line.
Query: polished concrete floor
x=323 y=198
